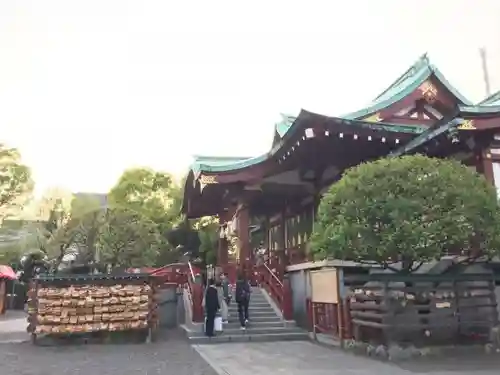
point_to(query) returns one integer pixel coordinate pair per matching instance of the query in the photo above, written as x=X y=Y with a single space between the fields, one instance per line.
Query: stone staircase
x=265 y=325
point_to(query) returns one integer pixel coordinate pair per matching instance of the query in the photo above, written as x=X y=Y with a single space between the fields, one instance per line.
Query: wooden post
x=340 y=287
x=243 y=236
x=222 y=254
x=222 y=249
x=3 y=296
x=197 y=298
x=282 y=253
x=313 y=314
x=287 y=307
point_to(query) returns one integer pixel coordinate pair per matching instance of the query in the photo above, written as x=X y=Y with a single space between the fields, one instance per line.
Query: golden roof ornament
x=467 y=125
x=206 y=180
x=375 y=117
x=429 y=91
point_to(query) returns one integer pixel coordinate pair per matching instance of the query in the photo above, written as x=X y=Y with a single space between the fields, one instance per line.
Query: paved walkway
x=13 y=327
x=172 y=355
x=301 y=358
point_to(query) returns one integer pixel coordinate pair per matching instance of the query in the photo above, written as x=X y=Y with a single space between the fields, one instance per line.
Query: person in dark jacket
x=243 y=299
x=211 y=307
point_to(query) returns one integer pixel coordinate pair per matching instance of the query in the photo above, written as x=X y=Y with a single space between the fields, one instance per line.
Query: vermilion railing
x=195 y=286
x=278 y=289
x=330 y=318
x=185 y=276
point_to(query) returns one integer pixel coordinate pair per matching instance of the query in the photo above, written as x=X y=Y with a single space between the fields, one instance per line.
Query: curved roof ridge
x=422 y=62
x=221 y=158
x=493 y=99
x=440 y=76
x=282 y=126
x=392 y=96
x=421 y=70
x=225 y=163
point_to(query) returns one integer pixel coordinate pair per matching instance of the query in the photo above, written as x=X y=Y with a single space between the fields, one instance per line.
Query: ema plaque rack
x=91 y=305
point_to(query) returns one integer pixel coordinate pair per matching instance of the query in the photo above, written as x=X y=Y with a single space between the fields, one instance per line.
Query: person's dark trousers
x=209 y=324
x=243 y=310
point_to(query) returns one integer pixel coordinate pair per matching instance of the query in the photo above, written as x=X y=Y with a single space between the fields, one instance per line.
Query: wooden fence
x=417 y=308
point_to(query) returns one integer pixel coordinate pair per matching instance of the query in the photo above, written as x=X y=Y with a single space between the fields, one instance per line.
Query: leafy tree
x=76 y=240
x=11 y=252
x=84 y=204
x=48 y=214
x=128 y=239
x=16 y=184
x=87 y=215
x=153 y=195
x=115 y=236
x=410 y=210
x=208 y=232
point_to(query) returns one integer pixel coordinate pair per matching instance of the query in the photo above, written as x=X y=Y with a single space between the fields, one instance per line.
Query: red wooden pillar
x=197 y=296
x=243 y=225
x=485 y=165
x=222 y=245
x=283 y=250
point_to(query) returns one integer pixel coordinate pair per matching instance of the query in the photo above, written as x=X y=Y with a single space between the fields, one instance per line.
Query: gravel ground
x=171 y=355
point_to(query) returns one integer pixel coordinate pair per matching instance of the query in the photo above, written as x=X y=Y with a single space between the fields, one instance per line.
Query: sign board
x=325 y=286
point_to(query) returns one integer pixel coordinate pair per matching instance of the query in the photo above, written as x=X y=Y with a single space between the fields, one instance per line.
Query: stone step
x=254 y=313
x=266 y=337
x=252 y=303
x=248 y=331
x=254 y=309
x=256 y=301
x=255 y=324
x=256 y=318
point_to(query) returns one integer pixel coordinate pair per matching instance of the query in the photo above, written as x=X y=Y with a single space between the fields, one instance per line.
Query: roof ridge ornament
x=429 y=91
x=467 y=125
x=375 y=117
x=207 y=180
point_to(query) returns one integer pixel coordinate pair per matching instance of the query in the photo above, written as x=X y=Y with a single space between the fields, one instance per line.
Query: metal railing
x=191 y=272
x=273 y=274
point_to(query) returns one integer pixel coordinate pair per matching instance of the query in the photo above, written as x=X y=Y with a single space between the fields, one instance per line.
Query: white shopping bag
x=218 y=324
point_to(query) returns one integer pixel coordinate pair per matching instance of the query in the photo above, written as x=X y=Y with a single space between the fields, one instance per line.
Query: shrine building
x=272 y=198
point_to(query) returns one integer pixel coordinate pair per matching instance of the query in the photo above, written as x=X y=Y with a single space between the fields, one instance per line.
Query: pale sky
x=89 y=88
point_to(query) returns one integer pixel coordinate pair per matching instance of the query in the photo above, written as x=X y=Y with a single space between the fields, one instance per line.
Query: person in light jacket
x=222 y=302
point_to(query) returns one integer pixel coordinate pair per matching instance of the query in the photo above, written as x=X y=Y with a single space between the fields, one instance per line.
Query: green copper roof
x=223 y=163
x=492 y=100
x=489 y=105
x=409 y=81
x=285 y=124
x=417 y=74
x=405 y=85
x=227 y=164
x=429 y=134
x=483 y=108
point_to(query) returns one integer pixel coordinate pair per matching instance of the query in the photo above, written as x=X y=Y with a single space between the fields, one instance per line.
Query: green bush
x=409 y=209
